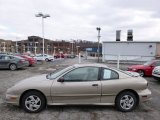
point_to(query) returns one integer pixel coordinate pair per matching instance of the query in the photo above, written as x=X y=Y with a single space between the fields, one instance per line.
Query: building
x=5 y=45
x=130 y=50
x=34 y=44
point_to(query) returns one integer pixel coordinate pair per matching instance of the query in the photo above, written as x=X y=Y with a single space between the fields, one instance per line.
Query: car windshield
x=58 y=72
x=148 y=63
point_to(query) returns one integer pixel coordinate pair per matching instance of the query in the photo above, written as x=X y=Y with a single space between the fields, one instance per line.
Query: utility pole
x=98 y=29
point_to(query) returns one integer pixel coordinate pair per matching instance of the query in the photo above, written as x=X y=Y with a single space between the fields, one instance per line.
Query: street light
x=77 y=49
x=24 y=47
x=16 y=47
x=68 y=50
x=72 y=47
x=98 y=29
x=43 y=16
x=0 y=47
x=47 y=49
x=12 y=47
x=35 y=47
x=54 y=50
x=4 y=48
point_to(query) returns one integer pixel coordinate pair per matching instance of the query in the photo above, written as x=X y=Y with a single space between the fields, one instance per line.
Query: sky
x=78 y=19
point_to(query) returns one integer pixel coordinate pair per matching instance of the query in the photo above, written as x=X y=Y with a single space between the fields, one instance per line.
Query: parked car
x=71 y=56
x=12 y=62
x=31 y=60
x=80 y=84
x=46 y=57
x=146 y=68
x=156 y=73
x=59 y=55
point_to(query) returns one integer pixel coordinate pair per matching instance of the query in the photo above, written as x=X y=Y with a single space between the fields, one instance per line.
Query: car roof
x=91 y=65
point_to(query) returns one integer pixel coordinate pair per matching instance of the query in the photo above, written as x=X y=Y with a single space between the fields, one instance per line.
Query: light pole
x=43 y=16
x=72 y=47
x=98 y=29
x=24 y=47
x=68 y=50
x=47 y=49
x=12 y=47
x=4 y=46
x=0 y=47
x=77 y=49
x=35 y=47
x=55 y=50
x=16 y=47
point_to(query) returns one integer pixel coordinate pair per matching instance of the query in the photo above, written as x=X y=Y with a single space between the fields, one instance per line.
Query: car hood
x=39 y=82
x=32 y=81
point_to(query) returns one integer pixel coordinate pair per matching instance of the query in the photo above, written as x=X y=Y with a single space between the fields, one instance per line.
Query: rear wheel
x=46 y=59
x=126 y=101
x=12 y=67
x=141 y=73
x=33 y=102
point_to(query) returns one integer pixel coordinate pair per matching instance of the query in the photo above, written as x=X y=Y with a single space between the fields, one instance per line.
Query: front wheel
x=141 y=73
x=46 y=59
x=33 y=102
x=126 y=101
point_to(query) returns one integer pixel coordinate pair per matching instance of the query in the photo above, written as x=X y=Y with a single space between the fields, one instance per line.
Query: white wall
x=140 y=51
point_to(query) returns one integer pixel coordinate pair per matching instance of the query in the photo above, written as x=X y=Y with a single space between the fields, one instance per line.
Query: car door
x=4 y=61
x=80 y=86
x=110 y=85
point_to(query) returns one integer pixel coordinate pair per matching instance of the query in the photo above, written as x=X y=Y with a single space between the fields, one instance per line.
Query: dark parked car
x=12 y=62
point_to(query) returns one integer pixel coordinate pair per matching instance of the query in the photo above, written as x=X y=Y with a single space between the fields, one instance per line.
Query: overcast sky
x=78 y=19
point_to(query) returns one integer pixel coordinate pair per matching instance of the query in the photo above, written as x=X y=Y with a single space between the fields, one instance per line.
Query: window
x=82 y=74
x=157 y=63
x=109 y=74
x=4 y=58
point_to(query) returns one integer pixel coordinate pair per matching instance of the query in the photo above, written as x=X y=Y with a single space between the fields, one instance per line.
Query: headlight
x=156 y=71
x=134 y=69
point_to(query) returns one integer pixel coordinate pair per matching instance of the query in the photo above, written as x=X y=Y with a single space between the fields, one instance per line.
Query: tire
x=46 y=60
x=12 y=67
x=141 y=72
x=126 y=101
x=33 y=102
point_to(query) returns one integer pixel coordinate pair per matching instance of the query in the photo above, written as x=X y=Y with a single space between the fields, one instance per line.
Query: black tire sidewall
x=141 y=71
x=38 y=94
x=117 y=103
x=46 y=59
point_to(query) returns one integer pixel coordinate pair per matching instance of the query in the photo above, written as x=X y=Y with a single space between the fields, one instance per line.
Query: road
x=145 y=111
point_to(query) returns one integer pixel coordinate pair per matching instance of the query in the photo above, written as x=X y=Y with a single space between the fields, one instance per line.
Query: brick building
x=34 y=44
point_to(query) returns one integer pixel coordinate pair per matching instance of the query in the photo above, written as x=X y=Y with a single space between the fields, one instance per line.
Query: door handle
x=94 y=84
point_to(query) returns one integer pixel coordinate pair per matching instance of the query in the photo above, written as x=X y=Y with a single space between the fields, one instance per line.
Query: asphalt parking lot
x=145 y=111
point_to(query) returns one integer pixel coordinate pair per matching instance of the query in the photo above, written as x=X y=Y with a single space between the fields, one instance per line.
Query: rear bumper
x=25 y=64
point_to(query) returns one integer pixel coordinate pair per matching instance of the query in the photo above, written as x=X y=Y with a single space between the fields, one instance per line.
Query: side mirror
x=48 y=76
x=61 y=79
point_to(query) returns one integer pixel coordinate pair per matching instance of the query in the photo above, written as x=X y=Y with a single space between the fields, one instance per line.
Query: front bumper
x=144 y=95
x=12 y=99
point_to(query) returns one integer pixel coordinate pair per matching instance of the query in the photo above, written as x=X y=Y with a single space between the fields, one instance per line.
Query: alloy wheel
x=32 y=103
x=127 y=102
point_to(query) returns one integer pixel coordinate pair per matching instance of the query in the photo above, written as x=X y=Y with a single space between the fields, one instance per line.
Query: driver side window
x=82 y=74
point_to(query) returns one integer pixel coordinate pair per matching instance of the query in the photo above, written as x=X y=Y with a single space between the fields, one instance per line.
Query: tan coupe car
x=94 y=84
